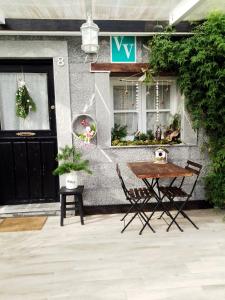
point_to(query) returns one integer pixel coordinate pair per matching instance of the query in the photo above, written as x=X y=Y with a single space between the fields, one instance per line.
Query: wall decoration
x=24 y=102
x=123 y=49
x=84 y=127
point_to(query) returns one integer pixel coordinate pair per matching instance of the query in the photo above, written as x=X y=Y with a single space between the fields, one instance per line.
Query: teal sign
x=123 y=49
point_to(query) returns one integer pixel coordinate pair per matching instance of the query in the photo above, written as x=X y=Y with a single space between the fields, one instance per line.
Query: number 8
x=60 y=61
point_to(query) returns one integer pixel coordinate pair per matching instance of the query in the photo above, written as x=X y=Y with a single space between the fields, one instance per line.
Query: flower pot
x=71 y=180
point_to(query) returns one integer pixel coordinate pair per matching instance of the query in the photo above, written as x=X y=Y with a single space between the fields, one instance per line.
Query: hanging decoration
x=158 y=133
x=137 y=95
x=24 y=102
x=84 y=128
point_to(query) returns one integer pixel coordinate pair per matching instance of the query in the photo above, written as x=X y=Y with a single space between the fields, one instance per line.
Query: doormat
x=22 y=224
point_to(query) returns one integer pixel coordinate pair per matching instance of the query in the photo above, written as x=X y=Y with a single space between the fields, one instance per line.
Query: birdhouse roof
x=162 y=149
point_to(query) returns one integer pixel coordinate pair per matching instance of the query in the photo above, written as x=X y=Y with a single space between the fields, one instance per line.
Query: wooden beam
x=182 y=10
x=107 y=27
x=118 y=68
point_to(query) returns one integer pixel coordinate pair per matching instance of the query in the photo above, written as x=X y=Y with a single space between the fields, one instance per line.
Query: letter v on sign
x=123 y=49
x=127 y=51
x=118 y=43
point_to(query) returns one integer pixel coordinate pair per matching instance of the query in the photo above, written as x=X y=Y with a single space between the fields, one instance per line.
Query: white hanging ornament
x=157 y=101
x=137 y=94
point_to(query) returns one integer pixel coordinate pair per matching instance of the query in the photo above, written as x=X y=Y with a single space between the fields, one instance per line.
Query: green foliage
x=71 y=160
x=150 y=135
x=144 y=143
x=24 y=102
x=176 y=122
x=118 y=132
x=144 y=136
x=199 y=61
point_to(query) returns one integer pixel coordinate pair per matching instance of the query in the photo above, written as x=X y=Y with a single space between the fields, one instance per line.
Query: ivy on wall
x=199 y=62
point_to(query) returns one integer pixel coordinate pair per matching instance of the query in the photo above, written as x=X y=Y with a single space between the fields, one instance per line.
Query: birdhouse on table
x=161 y=155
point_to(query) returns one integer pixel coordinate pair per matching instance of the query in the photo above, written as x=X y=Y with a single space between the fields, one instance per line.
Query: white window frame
x=141 y=100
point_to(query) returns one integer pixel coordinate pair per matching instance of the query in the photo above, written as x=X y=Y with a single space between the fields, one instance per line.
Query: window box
x=134 y=105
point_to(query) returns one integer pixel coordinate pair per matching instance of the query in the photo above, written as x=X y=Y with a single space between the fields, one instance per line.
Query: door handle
x=25 y=133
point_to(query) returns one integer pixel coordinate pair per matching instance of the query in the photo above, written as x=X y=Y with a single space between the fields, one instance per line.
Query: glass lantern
x=89 y=33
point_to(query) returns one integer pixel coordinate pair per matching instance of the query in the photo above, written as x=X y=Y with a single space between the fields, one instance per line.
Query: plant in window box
x=71 y=162
x=146 y=137
x=118 y=133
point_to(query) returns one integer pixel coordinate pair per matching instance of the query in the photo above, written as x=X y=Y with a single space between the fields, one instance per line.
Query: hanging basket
x=84 y=127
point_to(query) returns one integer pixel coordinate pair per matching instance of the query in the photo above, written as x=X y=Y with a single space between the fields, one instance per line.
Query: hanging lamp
x=89 y=32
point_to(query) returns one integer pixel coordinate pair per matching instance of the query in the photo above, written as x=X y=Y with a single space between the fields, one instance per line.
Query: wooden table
x=149 y=170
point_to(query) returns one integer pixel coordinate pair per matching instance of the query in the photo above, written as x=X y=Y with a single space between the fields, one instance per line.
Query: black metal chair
x=171 y=192
x=138 y=198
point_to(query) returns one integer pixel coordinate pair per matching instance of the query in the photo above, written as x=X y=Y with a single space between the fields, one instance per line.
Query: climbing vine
x=199 y=63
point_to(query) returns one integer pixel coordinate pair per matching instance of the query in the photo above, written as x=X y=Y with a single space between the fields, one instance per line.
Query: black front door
x=28 y=146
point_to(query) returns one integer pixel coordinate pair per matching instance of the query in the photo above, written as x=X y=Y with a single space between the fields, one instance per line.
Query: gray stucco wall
x=103 y=186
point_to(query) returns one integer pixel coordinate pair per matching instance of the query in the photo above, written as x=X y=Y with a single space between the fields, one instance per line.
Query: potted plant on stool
x=71 y=162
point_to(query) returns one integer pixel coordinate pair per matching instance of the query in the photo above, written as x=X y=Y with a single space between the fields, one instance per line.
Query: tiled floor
x=97 y=262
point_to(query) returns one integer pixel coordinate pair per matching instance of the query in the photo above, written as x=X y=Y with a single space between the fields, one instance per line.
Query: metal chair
x=171 y=192
x=138 y=197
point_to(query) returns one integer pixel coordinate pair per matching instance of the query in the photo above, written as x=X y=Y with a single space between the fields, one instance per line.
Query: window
x=134 y=104
x=37 y=85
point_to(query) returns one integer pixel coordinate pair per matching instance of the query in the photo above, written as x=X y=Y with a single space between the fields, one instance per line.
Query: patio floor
x=97 y=262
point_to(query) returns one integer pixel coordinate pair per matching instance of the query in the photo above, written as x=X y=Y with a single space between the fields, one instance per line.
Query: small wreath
x=84 y=127
x=24 y=102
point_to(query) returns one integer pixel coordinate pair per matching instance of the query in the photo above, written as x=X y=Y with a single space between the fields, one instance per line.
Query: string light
x=137 y=94
x=157 y=101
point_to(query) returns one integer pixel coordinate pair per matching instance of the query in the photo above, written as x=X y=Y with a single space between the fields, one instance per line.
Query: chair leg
x=149 y=218
x=140 y=213
x=129 y=210
x=160 y=217
x=174 y=219
x=129 y=222
x=180 y=211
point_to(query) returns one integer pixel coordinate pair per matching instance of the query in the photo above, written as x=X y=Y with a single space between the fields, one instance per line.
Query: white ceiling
x=103 y=9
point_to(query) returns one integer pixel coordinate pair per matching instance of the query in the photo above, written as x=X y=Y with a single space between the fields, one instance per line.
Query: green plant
x=140 y=136
x=71 y=160
x=150 y=135
x=199 y=63
x=118 y=132
x=144 y=143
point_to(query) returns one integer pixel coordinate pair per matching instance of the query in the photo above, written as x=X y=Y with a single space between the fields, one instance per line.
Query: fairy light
x=137 y=94
x=157 y=101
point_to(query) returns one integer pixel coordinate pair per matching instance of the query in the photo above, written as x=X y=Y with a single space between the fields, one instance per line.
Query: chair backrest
x=122 y=181
x=194 y=168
